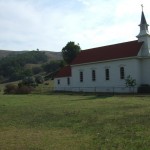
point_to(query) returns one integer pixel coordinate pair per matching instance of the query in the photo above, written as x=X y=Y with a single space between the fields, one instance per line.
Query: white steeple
x=144 y=35
x=143 y=26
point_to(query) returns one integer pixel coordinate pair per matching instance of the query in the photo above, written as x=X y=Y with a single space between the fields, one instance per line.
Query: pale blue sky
x=50 y=24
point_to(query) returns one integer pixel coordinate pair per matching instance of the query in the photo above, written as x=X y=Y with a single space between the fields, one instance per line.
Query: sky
x=51 y=24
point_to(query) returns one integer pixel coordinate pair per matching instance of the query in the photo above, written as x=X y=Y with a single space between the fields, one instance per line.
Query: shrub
x=130 y=82
x=46 y=83
x=29 y=81
x=20 y=89
x=37 y=70
x=39 y=79
x=1 y=78
x=10 y=89
x=24 y=89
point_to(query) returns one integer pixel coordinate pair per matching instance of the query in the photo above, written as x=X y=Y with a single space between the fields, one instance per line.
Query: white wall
x=63 y=85
x=131 y=66
x=145 y=50
x=138 y=69
x=146 y=71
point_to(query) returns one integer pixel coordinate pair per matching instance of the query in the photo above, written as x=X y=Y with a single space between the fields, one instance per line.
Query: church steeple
x=144 y=36
x=143 y=26
x=143 y=20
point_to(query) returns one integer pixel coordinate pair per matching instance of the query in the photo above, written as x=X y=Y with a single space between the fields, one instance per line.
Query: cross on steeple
x=144 y=33
x=142 y=6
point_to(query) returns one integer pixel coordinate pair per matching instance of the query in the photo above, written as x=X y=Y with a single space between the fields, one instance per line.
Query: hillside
x=15 y=65
x=51 y=55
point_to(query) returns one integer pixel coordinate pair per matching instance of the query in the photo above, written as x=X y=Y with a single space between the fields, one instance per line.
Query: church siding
x=146 y=71
x=114 y=73
x=133 y=57
x=63 y=84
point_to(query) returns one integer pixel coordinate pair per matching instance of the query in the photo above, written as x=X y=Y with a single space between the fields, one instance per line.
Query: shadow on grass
x=82 y=94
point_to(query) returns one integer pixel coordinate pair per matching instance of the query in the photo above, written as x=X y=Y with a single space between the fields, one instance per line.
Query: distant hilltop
x=51 y=55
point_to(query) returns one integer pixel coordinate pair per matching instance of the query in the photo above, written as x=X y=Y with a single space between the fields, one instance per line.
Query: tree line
x=13 y=67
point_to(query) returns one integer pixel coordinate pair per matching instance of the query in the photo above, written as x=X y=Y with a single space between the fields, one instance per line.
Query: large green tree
x=70 y=51
x=53 y=66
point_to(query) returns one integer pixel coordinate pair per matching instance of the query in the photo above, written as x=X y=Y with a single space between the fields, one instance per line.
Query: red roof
x=64 y=72
x=122 y=50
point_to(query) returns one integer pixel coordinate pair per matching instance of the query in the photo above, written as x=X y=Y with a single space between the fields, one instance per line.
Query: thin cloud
x=49 y=25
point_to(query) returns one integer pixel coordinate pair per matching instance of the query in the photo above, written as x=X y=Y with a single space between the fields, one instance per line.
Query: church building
x=104 y=69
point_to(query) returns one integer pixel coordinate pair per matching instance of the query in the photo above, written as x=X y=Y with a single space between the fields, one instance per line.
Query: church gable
x=64 y=72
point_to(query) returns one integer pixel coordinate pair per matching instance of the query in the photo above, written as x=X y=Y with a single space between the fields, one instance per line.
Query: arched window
x=93 y=75
x=68 y=81
x=107 y=74
x=122 y=74
x=58 y=82
x=81 y=76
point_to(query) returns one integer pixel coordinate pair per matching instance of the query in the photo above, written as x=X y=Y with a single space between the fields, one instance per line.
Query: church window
x=122 y=74
x=93 y=75
x=58 y=82
x=68 y=81
x=81 y=76
x=107 y=74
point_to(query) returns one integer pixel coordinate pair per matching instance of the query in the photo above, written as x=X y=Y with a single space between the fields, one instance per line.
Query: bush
x=29 y=81
x=37 y=70
x=10 y=89
x=20 y=89
x=130 y=82
x=1 y=78
x=24 y=90
x=39 y=79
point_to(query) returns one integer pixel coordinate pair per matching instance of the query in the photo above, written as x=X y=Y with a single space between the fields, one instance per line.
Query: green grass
x=74 y=122
x=44 y=88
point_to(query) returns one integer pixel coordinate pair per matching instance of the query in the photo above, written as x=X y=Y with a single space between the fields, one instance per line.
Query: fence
x=98 y=89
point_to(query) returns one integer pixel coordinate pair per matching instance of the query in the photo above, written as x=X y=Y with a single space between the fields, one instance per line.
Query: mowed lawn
x=74 y=122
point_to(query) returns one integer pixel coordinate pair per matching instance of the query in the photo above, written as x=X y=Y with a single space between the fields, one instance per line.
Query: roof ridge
x=110 y=45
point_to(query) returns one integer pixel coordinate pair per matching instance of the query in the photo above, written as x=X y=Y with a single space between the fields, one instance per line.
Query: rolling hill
x=51 y=55
x=15 y=65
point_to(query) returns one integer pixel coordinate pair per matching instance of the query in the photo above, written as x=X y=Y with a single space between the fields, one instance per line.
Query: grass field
x=74 y=122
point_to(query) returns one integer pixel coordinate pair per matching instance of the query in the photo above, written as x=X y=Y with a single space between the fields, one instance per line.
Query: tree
x=53 y=66
x=28 y=81
x=130 y=82
x=13 y=67
x=70 y=51
x=39 y=79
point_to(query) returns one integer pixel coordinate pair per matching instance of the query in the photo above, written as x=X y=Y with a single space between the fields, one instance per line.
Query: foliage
x=26 y=86
x=37 y=70
x=14 y=89
x=13 y=67
x=70 y=51
x=10 y=89
x=74 y=122
x=29 y=81
x=39 y=79
x=1 y=78
x=130 y=82
x=24 y=89
x=53 y=66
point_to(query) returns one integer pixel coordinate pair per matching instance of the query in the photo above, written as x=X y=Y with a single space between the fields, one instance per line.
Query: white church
x=104 y=69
